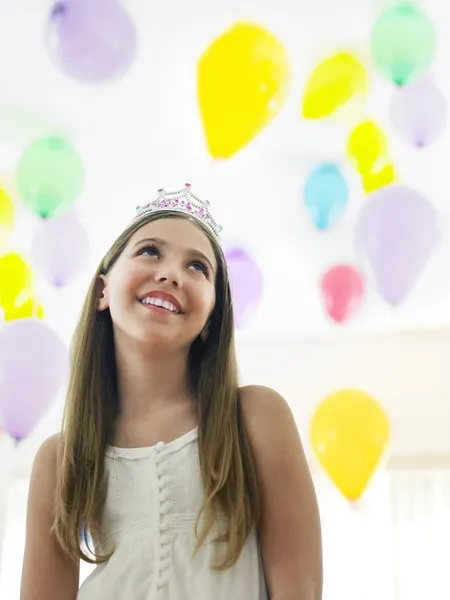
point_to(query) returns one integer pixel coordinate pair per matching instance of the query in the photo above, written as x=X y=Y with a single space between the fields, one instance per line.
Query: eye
x=150 y=250
x=201 y=267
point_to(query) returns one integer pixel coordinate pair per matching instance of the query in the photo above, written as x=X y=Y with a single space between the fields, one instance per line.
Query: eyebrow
x=161 y=242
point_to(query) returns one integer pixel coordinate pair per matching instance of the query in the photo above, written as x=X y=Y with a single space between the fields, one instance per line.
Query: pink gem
x=187 y=184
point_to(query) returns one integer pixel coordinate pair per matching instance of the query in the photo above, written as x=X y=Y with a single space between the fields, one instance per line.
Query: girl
x=190 y=487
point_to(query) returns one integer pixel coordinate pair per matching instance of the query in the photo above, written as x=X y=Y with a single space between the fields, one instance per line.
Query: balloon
x=326 y=195
x=60 y=249
x=50 y=176
x=16 y=281
x=332 y=84
x=243 y=80
x=374 y=180
x=403 y=42
x=366 y=145
x=29 y=309
x=246 y=283
x=419 y=112
x=342 y=290
x=91 y=40
x=6 y=216
x=397 y=231
x=349 y=434
x=33 y=366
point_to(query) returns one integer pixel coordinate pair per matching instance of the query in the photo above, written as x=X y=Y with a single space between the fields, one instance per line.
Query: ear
x=102 y=301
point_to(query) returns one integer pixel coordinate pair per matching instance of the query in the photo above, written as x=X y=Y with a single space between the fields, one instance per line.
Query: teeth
x=159 y=302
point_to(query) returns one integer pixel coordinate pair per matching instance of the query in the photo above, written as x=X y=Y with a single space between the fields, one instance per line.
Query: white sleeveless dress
x=154 y=495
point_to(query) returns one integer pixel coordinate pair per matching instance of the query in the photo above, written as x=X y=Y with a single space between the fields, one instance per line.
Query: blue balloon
x=326 y=195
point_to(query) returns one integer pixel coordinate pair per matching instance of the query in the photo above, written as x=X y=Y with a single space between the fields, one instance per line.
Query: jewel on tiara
x=182 y=201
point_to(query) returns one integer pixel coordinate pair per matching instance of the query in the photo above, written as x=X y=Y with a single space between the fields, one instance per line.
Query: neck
x=151 y=381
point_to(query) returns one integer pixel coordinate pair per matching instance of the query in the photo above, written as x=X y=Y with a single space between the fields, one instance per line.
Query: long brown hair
x=226 y=461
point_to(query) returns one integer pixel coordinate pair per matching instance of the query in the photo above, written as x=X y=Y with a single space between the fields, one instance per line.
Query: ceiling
x=143 y=132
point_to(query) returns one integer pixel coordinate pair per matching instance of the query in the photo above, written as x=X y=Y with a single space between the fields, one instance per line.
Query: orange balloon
x=349 y=434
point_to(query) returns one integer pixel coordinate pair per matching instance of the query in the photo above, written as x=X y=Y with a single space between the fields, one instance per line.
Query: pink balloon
x=419 y=112
x=60 y=249
x=342 y=289
x=33 y=366
x=246 y=283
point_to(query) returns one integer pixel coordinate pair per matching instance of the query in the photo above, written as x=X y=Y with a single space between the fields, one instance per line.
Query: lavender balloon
x=91 y=40
x=33 y=365
x=246 y=283
x=419 y=112
x=398 y=231
x=60 y=249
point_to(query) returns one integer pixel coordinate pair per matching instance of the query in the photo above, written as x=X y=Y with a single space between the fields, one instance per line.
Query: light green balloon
x=50 y=176
x=403 y=43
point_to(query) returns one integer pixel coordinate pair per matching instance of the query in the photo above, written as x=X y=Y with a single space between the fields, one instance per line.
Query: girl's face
x=161 y=290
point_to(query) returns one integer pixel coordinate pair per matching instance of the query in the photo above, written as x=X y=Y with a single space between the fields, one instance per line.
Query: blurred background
x=319 y=134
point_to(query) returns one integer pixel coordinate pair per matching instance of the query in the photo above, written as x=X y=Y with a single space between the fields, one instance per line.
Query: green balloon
x=50 y=176
x=403 y=43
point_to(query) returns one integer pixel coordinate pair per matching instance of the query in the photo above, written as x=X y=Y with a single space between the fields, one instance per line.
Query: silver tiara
x=182 y=201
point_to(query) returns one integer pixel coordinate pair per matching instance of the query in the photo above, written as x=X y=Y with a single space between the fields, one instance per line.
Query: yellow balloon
x=243 y=80
x=349 y=433
x=6 y=216
x=333 y=83
x=366 y=145
x=16 y=281
x=381 y=177
x=29 y=309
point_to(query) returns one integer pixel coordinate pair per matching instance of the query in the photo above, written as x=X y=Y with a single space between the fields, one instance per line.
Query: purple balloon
x=33 y=365
x=60 y=249
x=91 y=40
x=246 y=283
x=398 y=231
x=419 y=112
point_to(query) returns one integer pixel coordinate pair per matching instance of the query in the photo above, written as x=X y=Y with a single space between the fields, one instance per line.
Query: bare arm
x=48 y=573
x=290 y=532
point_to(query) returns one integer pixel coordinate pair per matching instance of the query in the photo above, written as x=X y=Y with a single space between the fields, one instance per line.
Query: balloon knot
x=59 y=9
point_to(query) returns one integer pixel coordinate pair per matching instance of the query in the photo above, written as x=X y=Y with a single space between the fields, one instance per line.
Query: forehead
x=179 y=233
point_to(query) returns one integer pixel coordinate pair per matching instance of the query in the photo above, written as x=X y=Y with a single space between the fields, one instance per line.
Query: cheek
x=122 y=289
x=209 y=300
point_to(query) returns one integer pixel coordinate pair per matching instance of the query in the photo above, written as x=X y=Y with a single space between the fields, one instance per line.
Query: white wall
x=408 y=372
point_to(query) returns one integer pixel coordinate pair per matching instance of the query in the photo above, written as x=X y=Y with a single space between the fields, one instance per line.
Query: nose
x=168 y=273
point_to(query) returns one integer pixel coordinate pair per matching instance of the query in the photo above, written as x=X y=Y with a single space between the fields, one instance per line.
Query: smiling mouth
x=159 y=303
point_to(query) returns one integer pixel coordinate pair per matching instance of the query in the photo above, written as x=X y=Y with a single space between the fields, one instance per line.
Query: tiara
x=182 y=201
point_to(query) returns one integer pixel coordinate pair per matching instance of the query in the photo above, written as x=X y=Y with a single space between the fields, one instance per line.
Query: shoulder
x=264 y=410
x=45 y=461
x=48 y=450
x=289 y=529
x=47 y=571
